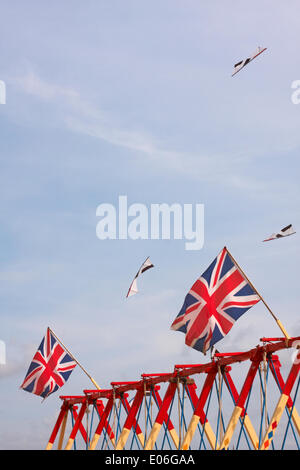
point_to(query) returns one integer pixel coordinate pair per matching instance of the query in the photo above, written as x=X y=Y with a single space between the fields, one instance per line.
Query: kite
x=242 y=63
x=133 y=287
x=285 y=232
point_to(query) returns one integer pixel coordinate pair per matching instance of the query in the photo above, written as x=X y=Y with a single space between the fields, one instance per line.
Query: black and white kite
x=285 y=232
x=242 y=63
x=133 y=287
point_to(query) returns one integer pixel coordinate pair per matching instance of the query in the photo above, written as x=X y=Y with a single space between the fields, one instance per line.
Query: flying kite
x=285 y=232
x=242 y=63
x=133 y=287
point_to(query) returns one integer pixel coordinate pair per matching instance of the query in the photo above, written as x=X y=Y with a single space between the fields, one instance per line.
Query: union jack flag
x=213 y=304
x=50 y=368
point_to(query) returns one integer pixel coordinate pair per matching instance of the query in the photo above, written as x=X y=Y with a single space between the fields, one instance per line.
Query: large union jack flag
x=213 y=304
x=50 y=368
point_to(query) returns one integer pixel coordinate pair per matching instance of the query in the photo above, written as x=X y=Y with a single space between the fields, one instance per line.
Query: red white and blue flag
x=50 y=368
x=216 y=300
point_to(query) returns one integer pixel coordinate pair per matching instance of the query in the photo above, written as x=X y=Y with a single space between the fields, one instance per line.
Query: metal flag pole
x=78 y=363
x=261 y=298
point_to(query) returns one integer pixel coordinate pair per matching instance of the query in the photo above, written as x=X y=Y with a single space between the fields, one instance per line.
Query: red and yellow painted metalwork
x=183 y=375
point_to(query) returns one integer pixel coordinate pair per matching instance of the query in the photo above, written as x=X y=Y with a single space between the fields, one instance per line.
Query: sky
x=136 y=98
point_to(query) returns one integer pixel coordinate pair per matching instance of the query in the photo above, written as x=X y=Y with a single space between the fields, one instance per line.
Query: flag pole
x=261 y=298
x=78 y=363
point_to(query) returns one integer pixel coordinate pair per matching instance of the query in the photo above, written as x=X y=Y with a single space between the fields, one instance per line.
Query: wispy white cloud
x=32 y=84
x=79 y=115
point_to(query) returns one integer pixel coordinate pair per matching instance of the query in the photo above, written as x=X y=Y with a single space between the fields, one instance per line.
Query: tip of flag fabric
x=133 y=289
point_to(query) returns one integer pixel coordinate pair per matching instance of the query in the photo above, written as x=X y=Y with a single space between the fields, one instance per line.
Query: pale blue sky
x=136 y=98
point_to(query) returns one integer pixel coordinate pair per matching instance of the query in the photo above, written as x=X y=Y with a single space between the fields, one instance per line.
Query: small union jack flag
x=50 y=368
x=213 y=304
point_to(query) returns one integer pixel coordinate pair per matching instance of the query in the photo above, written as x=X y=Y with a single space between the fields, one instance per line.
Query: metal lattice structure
x=197 y=406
